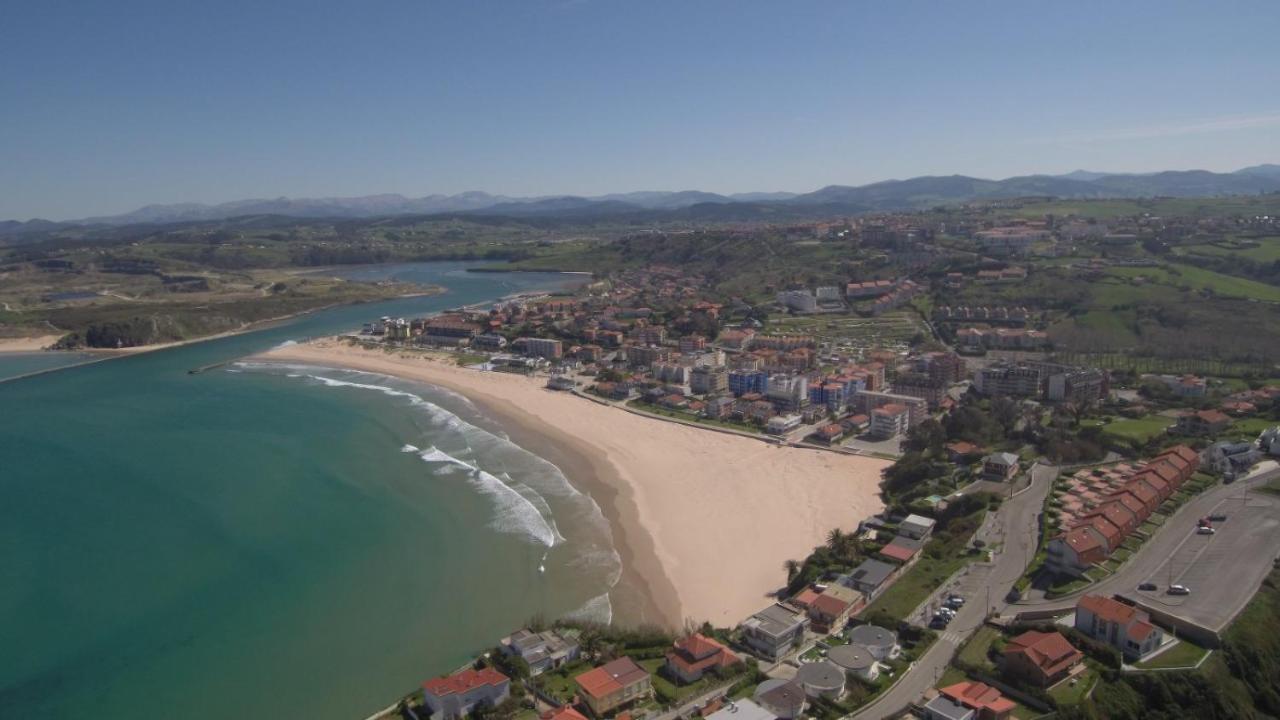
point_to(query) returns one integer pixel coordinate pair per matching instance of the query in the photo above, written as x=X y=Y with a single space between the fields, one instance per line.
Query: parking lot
x=1222 y=570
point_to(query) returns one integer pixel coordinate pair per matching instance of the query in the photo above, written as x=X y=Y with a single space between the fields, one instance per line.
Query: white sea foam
x=597 y=609
x=409 y=449
x=516 y=513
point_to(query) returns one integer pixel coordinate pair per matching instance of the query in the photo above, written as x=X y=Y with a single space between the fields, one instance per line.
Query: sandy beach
x=703 y=520
x=27 y=344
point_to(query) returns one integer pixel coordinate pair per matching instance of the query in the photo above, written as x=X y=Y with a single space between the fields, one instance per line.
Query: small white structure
x=779 y=424
x=916 y=527
x=741 y=710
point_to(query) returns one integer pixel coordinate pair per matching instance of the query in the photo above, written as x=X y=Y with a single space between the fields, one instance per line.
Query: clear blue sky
x=108 y=106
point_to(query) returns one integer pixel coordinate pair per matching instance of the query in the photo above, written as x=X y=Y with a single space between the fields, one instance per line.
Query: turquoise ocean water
x=268 y=541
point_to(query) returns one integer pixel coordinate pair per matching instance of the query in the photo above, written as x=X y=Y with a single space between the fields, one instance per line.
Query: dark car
x=1147 y=586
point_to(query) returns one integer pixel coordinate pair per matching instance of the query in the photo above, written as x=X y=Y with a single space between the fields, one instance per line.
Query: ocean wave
x=409 y=448
x=516 y=512
x=598 y=609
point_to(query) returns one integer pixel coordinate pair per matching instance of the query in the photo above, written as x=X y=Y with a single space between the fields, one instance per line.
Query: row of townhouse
x=1095 y=535
x=974 y=338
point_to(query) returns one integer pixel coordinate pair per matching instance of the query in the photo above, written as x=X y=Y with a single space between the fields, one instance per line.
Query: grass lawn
x=974 y=652
x=951 y=676
x=1139 y=429
x=1067 y=694
x=1184 y=654
x=1251 y=426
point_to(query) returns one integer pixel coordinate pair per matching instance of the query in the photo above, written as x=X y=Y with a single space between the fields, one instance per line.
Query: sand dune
x=27 y=344
x=705 y=519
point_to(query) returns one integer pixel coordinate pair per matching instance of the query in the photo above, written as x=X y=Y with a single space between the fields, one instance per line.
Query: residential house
x=902 y=550
x=961 y=451
x=1041 y=658
x=984 y=700
x=855 y=660
x=1119 y=625
x=783 y=698
x=741 y=710
x=613 y=685
x=917 y=527
x=1202 y=422
x=830 y=610
x=540 y=651
x=870 y=578
x=774 y=631
x=1000 y=467
x=456 y=695
x=694 y=655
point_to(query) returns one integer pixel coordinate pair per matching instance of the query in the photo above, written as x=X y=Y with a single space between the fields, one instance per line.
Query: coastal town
x=1046 y=523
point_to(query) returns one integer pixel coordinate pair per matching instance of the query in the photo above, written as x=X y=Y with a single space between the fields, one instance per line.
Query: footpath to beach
x=703 y=520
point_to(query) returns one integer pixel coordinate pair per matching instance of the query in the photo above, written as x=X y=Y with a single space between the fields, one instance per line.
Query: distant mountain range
x=914 y=193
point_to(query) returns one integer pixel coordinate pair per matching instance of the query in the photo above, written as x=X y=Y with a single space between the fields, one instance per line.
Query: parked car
x=1205 y=530
x=955 y=600
x=1218 y=517
x=1203 y=522
x=1147 y=586
x=937 y=623
x=1179 y=590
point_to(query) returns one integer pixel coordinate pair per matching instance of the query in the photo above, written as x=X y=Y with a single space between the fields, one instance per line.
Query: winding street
x=984 y=586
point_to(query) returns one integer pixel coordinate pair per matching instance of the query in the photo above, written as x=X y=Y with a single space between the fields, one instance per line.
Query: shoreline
x=703 y=521
x=20 y=346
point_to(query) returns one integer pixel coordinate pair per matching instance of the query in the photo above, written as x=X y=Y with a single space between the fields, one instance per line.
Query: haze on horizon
x=115 y=106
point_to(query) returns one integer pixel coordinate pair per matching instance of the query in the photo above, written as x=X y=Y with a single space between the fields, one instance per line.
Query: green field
x=1137 y=429
x=1178 y=275
x=1267 y=250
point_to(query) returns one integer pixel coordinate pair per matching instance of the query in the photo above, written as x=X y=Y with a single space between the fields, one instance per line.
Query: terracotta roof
x=897 y=552
x=1049 y=651
x=805 y=597
x=461 y=682
x=1140 y=630
x=978 y=696
x=830 y=605
x=1107 y=608
x=610 y=678
x=565 y=712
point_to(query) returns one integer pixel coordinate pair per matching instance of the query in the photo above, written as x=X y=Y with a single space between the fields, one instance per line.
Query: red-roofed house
x=1042 y=658
x=696 y=654
x=1202 y=422
x=613 y=685
x=981 y=698
x=565 y=712
x=1075 y=551
x=831 y=610
x=456 y=695
x=1121 y=626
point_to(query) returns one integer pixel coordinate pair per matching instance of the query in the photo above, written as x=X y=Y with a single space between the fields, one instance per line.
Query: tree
x=792 y=567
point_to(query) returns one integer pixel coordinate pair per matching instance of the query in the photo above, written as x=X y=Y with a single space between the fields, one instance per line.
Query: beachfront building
x=455 y=696
x=613 y=685
x=541 y=651
x=742 y=382
x=708 y=380
x=890 y=421
x=694 y=655
x=774 y=631
x=870 y=578
x=855 y=660
x=541 y=347
x=917 y=527
x=1123 y=627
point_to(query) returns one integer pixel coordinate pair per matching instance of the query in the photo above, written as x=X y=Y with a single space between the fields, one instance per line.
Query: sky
x=109 y=106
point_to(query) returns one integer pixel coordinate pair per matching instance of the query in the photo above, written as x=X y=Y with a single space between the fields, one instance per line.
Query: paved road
x=1249 y=545
x=985 y=586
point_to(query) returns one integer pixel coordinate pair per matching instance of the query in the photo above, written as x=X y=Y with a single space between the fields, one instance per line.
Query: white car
x=1205 y=530
x=1179 y=590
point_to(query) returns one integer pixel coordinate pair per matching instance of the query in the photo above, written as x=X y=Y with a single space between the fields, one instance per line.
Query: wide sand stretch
x=27 y=344
x=703 y=520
